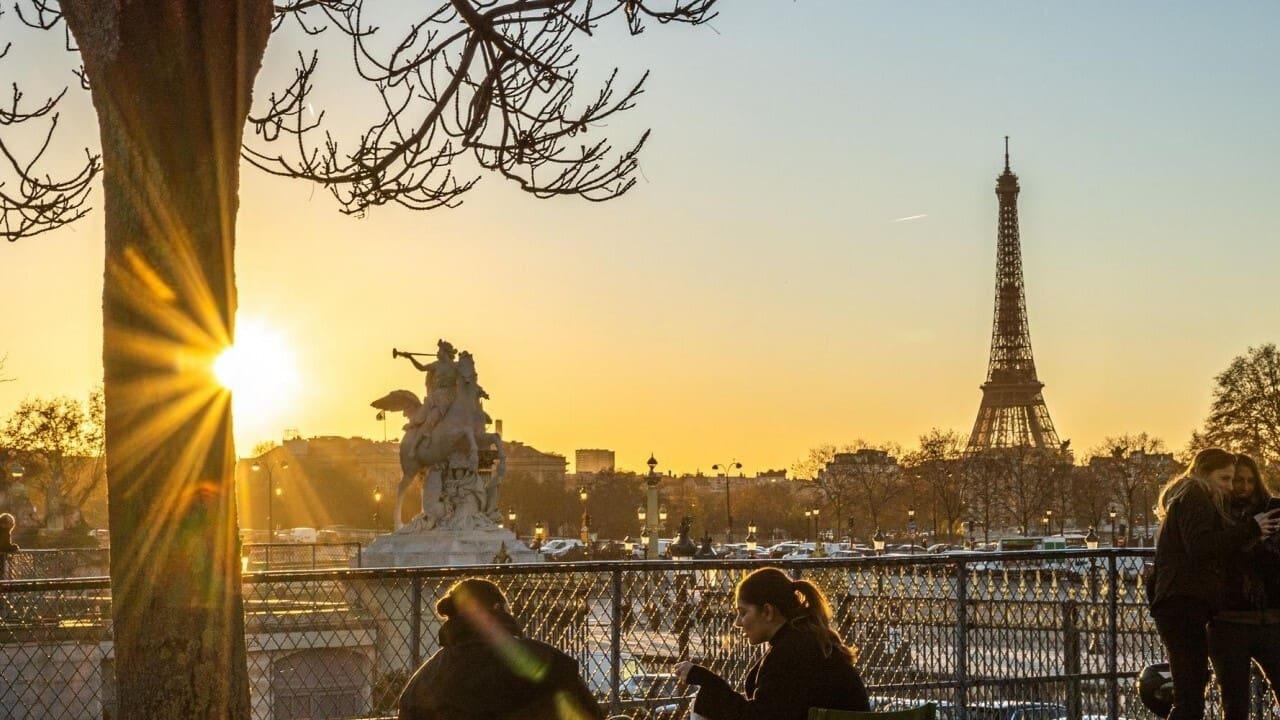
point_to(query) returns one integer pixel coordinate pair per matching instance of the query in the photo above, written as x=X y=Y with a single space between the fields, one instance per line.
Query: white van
x=302 y=535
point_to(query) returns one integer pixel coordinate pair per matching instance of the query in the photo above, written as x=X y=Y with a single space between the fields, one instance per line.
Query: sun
x=260 y=372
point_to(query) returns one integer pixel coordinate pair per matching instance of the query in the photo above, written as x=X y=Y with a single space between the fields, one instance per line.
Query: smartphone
x=1273 y=504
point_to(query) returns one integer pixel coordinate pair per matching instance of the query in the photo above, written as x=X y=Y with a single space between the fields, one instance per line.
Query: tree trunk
x=171 y=82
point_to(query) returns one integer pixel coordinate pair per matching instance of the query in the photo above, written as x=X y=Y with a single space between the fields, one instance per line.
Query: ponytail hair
x=800 y=602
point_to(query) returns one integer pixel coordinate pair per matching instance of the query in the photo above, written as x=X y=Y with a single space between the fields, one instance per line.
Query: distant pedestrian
x=807 y=664
x=487 y=670
x=1247 y=629
x=1197 y=538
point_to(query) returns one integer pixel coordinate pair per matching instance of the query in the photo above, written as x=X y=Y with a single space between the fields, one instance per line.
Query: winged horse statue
x=449 y=453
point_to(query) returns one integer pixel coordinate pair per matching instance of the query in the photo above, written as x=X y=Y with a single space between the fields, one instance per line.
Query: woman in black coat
x=486 y=670
x=1198 y=537
x=806 y=666
x=1247 y=628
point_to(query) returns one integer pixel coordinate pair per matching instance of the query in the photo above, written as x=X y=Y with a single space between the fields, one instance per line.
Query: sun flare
x=260 y=372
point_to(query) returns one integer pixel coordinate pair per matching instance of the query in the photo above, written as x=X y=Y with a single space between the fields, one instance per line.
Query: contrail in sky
x=910 y=217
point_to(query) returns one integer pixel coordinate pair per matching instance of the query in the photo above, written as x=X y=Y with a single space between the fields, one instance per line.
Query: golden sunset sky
x=753 y=295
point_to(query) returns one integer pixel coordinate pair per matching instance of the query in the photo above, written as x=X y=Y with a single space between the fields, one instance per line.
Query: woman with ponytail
x=807 y=664
x=1198 y=538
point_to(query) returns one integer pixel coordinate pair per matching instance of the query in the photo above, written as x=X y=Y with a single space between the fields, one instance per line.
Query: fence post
x=615 y=642
x=359 y=555
x=415 y=624
x=313 y=556
x=1071 y=657
x=962 y=639
x=1113 y=636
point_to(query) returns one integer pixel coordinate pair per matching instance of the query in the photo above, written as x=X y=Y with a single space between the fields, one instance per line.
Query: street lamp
x=511 y=521
x=377 y=506
x=817 y=529
x=911 y=528
x=662 y=516
x=642 y=515
x=808 y=524
x=1112 y=514
x=1045 y=520
x=585 y=533
x=649 y=536
x=538 y=533
x=16 y=471
x=728 y=515
x=1091 y=540
x=272 y=491
x=752 y=544
x=1048 y=514
x=877 y=541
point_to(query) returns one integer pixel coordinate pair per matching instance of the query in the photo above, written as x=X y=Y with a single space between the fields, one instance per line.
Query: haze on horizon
x=760 y=291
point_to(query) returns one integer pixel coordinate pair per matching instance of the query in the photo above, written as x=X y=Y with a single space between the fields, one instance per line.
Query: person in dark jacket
x=1247 y=628
x=1196 y=540
x=487 y=670
x=806 y=666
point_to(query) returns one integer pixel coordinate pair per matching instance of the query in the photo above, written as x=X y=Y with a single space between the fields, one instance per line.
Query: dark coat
x=790 y=678
x=473 y=678
x=1194 y=546
x=1251 y=578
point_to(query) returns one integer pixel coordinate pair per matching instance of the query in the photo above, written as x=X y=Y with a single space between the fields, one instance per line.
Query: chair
x=928 y=711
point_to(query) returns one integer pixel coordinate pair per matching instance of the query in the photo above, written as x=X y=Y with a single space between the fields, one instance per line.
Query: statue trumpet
x=402 y=353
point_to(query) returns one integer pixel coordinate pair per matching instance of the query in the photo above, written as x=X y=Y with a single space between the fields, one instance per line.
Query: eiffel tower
x=1013 y=413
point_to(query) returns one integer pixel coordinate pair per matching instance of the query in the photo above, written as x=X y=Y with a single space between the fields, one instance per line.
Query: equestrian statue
x=446 y=440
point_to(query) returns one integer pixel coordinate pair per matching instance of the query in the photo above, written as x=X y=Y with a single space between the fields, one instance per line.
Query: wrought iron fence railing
x=1063 y=633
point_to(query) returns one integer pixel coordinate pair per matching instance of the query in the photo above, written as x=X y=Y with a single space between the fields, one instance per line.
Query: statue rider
x=442 y=387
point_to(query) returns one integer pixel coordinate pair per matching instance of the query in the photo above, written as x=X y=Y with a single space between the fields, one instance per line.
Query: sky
x=758 y=292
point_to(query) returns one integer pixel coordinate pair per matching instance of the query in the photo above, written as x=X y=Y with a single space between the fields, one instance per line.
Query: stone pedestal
x=410 y=547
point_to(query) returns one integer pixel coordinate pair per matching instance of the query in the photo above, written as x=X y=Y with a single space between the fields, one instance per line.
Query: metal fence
x=52 y=563
x=1065 y=629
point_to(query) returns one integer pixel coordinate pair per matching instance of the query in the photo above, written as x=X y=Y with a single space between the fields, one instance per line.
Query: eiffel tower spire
x=1013 y=412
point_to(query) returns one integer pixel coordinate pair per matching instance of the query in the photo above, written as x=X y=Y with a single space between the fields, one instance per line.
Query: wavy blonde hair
x=1197 y=473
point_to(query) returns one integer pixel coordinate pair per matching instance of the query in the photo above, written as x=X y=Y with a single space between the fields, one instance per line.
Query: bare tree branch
x=32 y=203
x=494 y=80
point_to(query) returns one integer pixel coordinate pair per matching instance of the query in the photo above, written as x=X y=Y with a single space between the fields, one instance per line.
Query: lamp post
x=650 y=537
x=1048 y=514
x=752 y=543
x=1112 y=514
x=263 y=464
x=808 y=525
x=817 y=529
x=377 y=507
x=1045 y=521
x=728 y=514
x=877 y=542
x=584 y=533
x=539 y=532
x=911 y=528
x=512 y=517
x=1091 y=540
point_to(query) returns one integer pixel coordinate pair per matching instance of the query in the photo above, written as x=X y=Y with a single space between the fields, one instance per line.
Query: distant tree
x=983 y=502
x=612 y=501
x=868 y=487
x=936 y=464
x=65 y=438
x=465 y=86
x=1026 y=478
x=262 y=448
x=1245 y=414
x=1089 y=495
x=1133 y=466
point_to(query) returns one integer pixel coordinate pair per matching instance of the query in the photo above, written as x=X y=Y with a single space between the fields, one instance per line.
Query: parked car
x=655 y=693
x=1014 y=710
x=946 y=708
